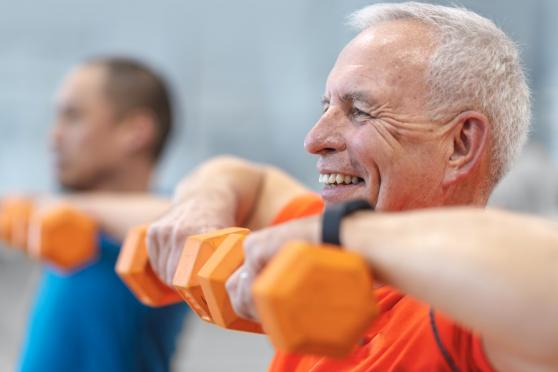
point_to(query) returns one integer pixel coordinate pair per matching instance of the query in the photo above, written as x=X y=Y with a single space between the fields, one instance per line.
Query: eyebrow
x=357 y=96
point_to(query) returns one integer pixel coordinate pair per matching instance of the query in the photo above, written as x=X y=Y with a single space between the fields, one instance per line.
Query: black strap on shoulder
x=445 y=353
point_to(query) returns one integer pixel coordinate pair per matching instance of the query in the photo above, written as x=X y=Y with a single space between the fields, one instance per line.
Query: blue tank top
x=88 y=321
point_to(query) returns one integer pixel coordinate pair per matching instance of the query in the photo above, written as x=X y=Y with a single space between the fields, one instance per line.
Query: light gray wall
x=248 y=73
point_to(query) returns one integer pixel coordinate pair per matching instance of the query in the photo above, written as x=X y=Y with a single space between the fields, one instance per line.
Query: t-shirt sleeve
x=302 y=206
x=463 y=346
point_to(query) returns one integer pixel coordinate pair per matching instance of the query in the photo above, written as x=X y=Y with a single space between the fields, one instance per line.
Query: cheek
x=372 y=151
x=415 y=179
x=92 y=140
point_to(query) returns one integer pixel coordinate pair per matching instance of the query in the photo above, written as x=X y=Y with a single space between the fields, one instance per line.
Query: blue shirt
x=88 y=321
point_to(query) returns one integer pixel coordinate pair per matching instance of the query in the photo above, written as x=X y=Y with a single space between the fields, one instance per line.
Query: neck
x=474 y=190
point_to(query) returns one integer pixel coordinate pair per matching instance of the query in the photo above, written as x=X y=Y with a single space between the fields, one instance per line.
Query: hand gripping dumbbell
x=63 y=236
x=135 y=270
x=310 y=299
x=14 y=220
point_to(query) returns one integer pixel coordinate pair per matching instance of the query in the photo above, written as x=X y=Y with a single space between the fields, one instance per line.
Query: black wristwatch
x=333 y=215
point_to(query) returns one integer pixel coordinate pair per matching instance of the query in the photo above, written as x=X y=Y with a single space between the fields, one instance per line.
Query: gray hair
x=475 y=67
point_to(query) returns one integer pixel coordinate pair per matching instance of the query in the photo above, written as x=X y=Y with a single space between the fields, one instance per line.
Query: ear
x=469 y=143
x=138 y=132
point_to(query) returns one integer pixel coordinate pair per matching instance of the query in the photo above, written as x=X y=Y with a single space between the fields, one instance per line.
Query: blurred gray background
x=248 y=77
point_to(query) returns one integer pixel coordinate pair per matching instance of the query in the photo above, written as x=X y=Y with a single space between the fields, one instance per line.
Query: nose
x=326 y=136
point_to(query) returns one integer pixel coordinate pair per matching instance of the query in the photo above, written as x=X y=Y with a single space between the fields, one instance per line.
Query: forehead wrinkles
x=391 y=58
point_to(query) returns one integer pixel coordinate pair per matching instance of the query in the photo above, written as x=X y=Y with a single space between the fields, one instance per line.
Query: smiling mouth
x=331 y=180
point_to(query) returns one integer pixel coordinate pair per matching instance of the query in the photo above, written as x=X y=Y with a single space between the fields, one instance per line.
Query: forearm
x=247 y=194
x=224 y=186
x=116 y=213
x=489 y=270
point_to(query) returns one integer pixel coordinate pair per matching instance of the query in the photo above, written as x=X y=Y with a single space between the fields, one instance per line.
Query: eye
x=359 y=114
x=325 y=107
x=70 y=113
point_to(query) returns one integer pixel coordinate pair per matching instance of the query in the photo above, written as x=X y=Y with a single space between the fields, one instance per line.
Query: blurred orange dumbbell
x=63 y=236
x=15 y=213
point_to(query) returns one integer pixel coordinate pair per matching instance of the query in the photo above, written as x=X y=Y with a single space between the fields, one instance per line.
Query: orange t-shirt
x=408 y=335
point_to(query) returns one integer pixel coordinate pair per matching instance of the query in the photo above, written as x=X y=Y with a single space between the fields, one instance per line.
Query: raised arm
x=223 y=192
x=116 y=213
x=492 y=271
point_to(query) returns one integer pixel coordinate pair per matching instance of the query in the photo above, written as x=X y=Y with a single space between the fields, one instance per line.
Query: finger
x=232 y=290
x=246 y=278
x=239 y=289
x=152 y=245
x=174 y=254
x=163 y=251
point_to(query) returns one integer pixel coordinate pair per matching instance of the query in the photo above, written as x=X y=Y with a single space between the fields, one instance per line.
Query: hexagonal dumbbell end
x=315 y=299
x=135 y=270
x=63 y=236
x=196 y=252
x=15 y=213
x=228 y=257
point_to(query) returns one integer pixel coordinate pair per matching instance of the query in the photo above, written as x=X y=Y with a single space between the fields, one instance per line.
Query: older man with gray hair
x=426 y=107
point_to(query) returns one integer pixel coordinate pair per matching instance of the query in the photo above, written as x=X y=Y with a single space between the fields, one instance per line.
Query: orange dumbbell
x=301 y=297
x=15 y=213
x=63 y=236
x=207 y=261
x=315 y=299
x=134 y=269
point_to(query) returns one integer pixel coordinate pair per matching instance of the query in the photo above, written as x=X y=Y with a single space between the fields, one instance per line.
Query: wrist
x=334 y=215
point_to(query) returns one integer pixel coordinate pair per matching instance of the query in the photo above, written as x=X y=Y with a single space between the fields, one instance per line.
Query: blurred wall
x=248 y=74
x=248 y=77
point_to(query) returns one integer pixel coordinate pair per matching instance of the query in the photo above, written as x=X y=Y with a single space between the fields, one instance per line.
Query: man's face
x=83 y=134
x=375 y=134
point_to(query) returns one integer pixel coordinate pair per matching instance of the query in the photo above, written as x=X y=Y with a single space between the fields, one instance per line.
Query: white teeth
x=338 y=179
